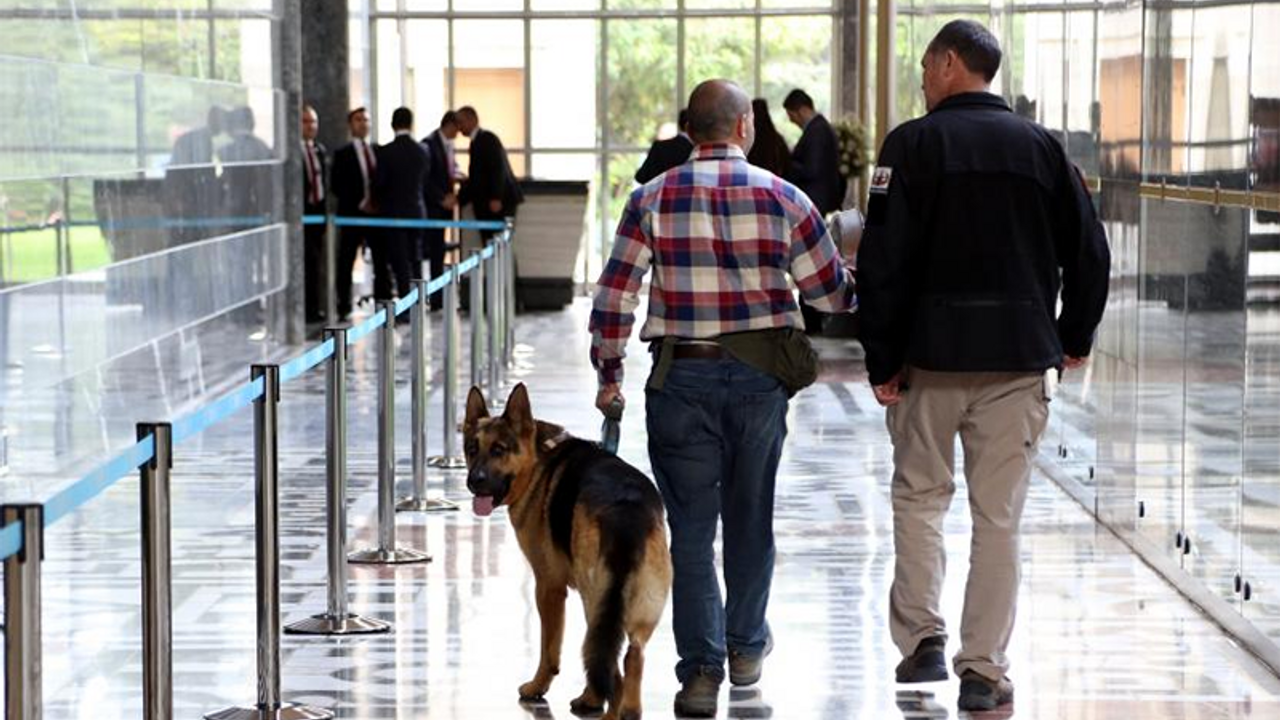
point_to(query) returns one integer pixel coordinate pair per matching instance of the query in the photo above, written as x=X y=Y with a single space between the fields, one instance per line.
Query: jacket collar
x=973 y=99
x=718 y=151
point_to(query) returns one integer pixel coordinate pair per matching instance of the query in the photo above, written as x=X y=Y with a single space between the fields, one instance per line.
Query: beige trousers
x=1000 y=418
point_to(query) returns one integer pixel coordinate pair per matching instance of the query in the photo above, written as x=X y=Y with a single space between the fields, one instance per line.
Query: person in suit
x=314 y=202
x=398 y=191
x=355 y=167
x=440 y=196
x=666 y=154
x=491 y=187
x=815 y=169
x=770 y=150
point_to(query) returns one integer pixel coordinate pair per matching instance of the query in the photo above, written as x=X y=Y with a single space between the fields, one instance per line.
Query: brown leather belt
x=700 y=351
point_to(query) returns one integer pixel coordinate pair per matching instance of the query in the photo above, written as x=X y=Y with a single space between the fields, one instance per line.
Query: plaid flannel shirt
x=722 y=237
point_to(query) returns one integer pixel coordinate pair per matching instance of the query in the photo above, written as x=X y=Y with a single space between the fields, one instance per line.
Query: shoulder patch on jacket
x=880 y=179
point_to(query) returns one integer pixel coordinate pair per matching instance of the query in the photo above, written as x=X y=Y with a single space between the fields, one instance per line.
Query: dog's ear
x=518 y=412
x=477 y=410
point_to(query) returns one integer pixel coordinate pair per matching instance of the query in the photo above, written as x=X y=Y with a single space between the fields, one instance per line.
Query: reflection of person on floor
x=723 y=324
x=397 y=191
x=355 y=167
x=974 y=215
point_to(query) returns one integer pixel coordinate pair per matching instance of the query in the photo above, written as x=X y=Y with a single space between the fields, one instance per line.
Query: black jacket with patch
x=976 y=221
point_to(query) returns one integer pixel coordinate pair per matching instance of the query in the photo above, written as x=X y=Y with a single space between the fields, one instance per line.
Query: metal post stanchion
x=418 y=501
x=331 y=268
x=494 y=320
x=476 y=312
x=23 y=691
x=157 y=576
x=267 y=554
x=386 y=552
x=337 y=620
x=500 y=304
x=451 y=459
x=510 y=292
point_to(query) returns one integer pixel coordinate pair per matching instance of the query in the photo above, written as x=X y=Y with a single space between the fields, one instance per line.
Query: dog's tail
x=623 y=552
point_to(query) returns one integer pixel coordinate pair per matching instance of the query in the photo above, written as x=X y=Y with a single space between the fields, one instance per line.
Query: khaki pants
x=1000 y=418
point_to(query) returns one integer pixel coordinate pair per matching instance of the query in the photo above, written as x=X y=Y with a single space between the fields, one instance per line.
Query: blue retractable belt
x=612 y=428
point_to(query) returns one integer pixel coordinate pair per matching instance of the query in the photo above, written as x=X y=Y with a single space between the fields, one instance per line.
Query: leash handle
x=611 y=430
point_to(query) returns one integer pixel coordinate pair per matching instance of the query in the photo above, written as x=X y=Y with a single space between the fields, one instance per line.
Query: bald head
x=720 y=112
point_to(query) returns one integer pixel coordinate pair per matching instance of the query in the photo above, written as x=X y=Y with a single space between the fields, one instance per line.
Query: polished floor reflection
x=1099 y=635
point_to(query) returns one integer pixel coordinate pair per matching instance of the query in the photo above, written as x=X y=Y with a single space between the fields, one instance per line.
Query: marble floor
x=1099 y=637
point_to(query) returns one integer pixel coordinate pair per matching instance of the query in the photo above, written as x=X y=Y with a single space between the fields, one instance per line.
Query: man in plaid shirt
x=722 y=237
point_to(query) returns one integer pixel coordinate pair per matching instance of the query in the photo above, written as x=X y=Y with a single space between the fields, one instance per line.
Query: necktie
x=314 y=174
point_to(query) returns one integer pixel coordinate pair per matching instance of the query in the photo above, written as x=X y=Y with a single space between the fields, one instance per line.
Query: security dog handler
x=976 y=220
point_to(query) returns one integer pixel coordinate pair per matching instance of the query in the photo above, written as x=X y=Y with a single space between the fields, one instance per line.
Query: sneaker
x=746 y=669
x=927 y=664
x=697 y=698
x=980 y=693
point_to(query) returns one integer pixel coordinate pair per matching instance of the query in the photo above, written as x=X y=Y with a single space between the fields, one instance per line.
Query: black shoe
x=699 y=695
x=980 y=693
x=927 y=664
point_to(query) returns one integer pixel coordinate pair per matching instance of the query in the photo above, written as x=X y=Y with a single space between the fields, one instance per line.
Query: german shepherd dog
x=585 y=520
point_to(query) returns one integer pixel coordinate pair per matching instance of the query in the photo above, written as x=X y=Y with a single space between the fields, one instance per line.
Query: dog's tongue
x=482 y=505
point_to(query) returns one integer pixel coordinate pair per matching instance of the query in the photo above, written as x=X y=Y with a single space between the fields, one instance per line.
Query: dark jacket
x=815 y=165
x=976 y=219
x=402 y=173
x=490 y=177
x=439 y=178
x=347 y=181
x=771 y=153
x=322 y=160
x=664 y=155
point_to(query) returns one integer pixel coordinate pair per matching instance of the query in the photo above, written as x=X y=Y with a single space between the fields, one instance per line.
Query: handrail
x=379 y=222
x=101 y=478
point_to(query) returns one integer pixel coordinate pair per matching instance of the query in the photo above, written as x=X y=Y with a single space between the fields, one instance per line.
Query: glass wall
x=1172 y=109
x=578 y=89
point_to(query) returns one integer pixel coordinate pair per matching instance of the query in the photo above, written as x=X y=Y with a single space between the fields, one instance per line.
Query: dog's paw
x=533 y=690
x=586 y=704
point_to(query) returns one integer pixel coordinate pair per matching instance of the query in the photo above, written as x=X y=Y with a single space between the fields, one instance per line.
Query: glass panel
x=795 y=52
x=426 y=73
x=1212 y=244
x=466 y=6
x=718 y=4
x=641 y=66
x=436 y=5
x=240 y=58
x=564 y=61
x=1120 y=62
x=389 y=78
x=1260 y=557
x=565 y=166
x=1219 y=130
x=1162 y=399
x=815 y=4
x=566 y=4
x=1034 y=72
x=720 y=48
x=489 y=75
x=641 y=4
x=1082 y=90
x=1168 y=92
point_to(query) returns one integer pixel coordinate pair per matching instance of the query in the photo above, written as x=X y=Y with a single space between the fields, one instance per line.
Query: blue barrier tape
x=214 y=413
x=305 y=362
x=467 y=265
x=11 y=539
x=351 y=221
x=439 y=284
x=406 y=302
x=93 y=484
x=488 y=252
x=368 y=326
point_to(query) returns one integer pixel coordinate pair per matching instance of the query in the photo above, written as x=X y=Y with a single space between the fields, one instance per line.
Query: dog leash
x=611 y=430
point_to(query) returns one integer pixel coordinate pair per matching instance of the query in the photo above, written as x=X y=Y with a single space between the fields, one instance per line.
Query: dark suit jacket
x=439 y=181
x=402 y=174
x=346 y=180
x=322 y=155
x=815 y=165
x=490 y=177
x=664 y=155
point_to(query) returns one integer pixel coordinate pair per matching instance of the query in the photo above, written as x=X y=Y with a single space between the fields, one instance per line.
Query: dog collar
x=553 y=442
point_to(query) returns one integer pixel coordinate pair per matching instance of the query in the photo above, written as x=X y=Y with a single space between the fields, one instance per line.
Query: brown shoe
x=699 y=695
x=746 y=669
x=927 y=664
x=981 y=693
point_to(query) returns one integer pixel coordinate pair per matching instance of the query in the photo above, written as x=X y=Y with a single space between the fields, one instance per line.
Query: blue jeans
x=715 y=436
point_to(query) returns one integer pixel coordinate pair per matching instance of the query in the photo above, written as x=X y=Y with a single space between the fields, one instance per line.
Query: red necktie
x=311 y=170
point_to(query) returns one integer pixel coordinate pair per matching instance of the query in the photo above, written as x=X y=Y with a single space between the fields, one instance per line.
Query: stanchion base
x=287 y=711
x=417 y=504
x=447 y=463
x=382 y=556
x=326 y=624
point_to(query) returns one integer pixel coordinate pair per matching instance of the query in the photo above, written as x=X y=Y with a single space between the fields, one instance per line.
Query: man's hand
x=889 y=393
x=607 y=394
x=1071 y=362
x=495 y=206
